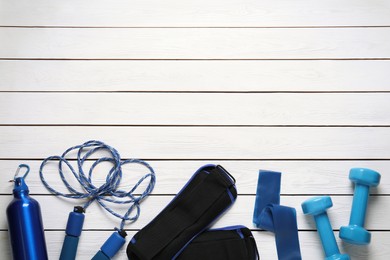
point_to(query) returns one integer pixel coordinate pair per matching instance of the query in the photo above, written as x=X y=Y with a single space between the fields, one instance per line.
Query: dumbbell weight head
x=316 y=205
x=355 y=233
x=365 y=176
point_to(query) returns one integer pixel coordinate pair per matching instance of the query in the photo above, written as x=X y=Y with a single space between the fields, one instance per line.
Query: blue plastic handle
x=100 y=256
x=73 y=231
x=111 y=246
x=69 y=248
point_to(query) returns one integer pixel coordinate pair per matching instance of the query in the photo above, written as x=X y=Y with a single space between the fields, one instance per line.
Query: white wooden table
x=300 y=87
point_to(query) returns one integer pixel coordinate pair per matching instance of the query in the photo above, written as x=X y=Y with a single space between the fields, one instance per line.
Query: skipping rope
x=108 y=192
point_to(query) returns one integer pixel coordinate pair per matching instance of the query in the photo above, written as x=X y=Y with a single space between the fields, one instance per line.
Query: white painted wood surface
x=195 y=43
x=300 y=87
x=247 y=13
x=187 y=76
x=173 y=142
x=196 y=109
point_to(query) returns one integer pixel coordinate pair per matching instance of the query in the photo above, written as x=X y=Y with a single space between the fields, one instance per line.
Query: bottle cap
x=20 y=185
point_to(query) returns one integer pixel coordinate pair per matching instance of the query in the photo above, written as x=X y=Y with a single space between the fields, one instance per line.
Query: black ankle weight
x=209 y=192
x=229 y=243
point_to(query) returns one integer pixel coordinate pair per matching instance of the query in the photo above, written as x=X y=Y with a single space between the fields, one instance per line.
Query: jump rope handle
x=73 y=232
x=111 y=246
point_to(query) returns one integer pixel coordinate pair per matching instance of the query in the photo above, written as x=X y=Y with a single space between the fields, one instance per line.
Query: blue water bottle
x=25 y=223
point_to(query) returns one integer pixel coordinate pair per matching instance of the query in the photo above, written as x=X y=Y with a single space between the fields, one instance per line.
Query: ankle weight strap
x=209 y=192
x=229 y=243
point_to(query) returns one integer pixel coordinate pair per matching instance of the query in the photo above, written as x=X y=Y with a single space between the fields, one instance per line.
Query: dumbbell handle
x=326 y=234
x=359 y=205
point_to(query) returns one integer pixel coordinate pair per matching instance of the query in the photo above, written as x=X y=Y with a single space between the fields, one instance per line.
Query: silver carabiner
x=18 y=170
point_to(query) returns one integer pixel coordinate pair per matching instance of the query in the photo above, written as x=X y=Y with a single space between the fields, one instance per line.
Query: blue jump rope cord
x=109 y=189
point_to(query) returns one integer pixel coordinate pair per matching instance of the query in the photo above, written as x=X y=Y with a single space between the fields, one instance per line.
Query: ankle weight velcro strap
x=229 y=243
x=209 y=192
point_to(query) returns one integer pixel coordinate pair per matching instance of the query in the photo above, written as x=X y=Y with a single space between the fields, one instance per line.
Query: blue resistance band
x=271 y=216
x=108 y=192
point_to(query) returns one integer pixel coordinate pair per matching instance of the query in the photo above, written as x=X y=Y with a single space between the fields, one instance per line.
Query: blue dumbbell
x=355 y=233
x=317 y=207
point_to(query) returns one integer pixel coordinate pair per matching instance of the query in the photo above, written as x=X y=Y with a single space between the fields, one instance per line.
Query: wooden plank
x=194 y=43
x=195 y=109
x=203 y=142
x=223 y=76
x=55 y=212
x=299 y=177
x=90 y=241
x=199 y=13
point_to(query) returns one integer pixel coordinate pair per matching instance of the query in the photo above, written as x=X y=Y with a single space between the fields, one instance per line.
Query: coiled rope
x=108 y=192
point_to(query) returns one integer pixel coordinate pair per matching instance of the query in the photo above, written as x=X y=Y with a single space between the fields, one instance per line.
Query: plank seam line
x=191 y=92
x=239 y=194
x=220 y=159
x=195 y=126
x=195 y=59
x=193 y=27
x=135 y=229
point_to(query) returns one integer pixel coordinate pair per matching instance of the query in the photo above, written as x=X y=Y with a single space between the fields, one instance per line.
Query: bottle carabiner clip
x=18 y=170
